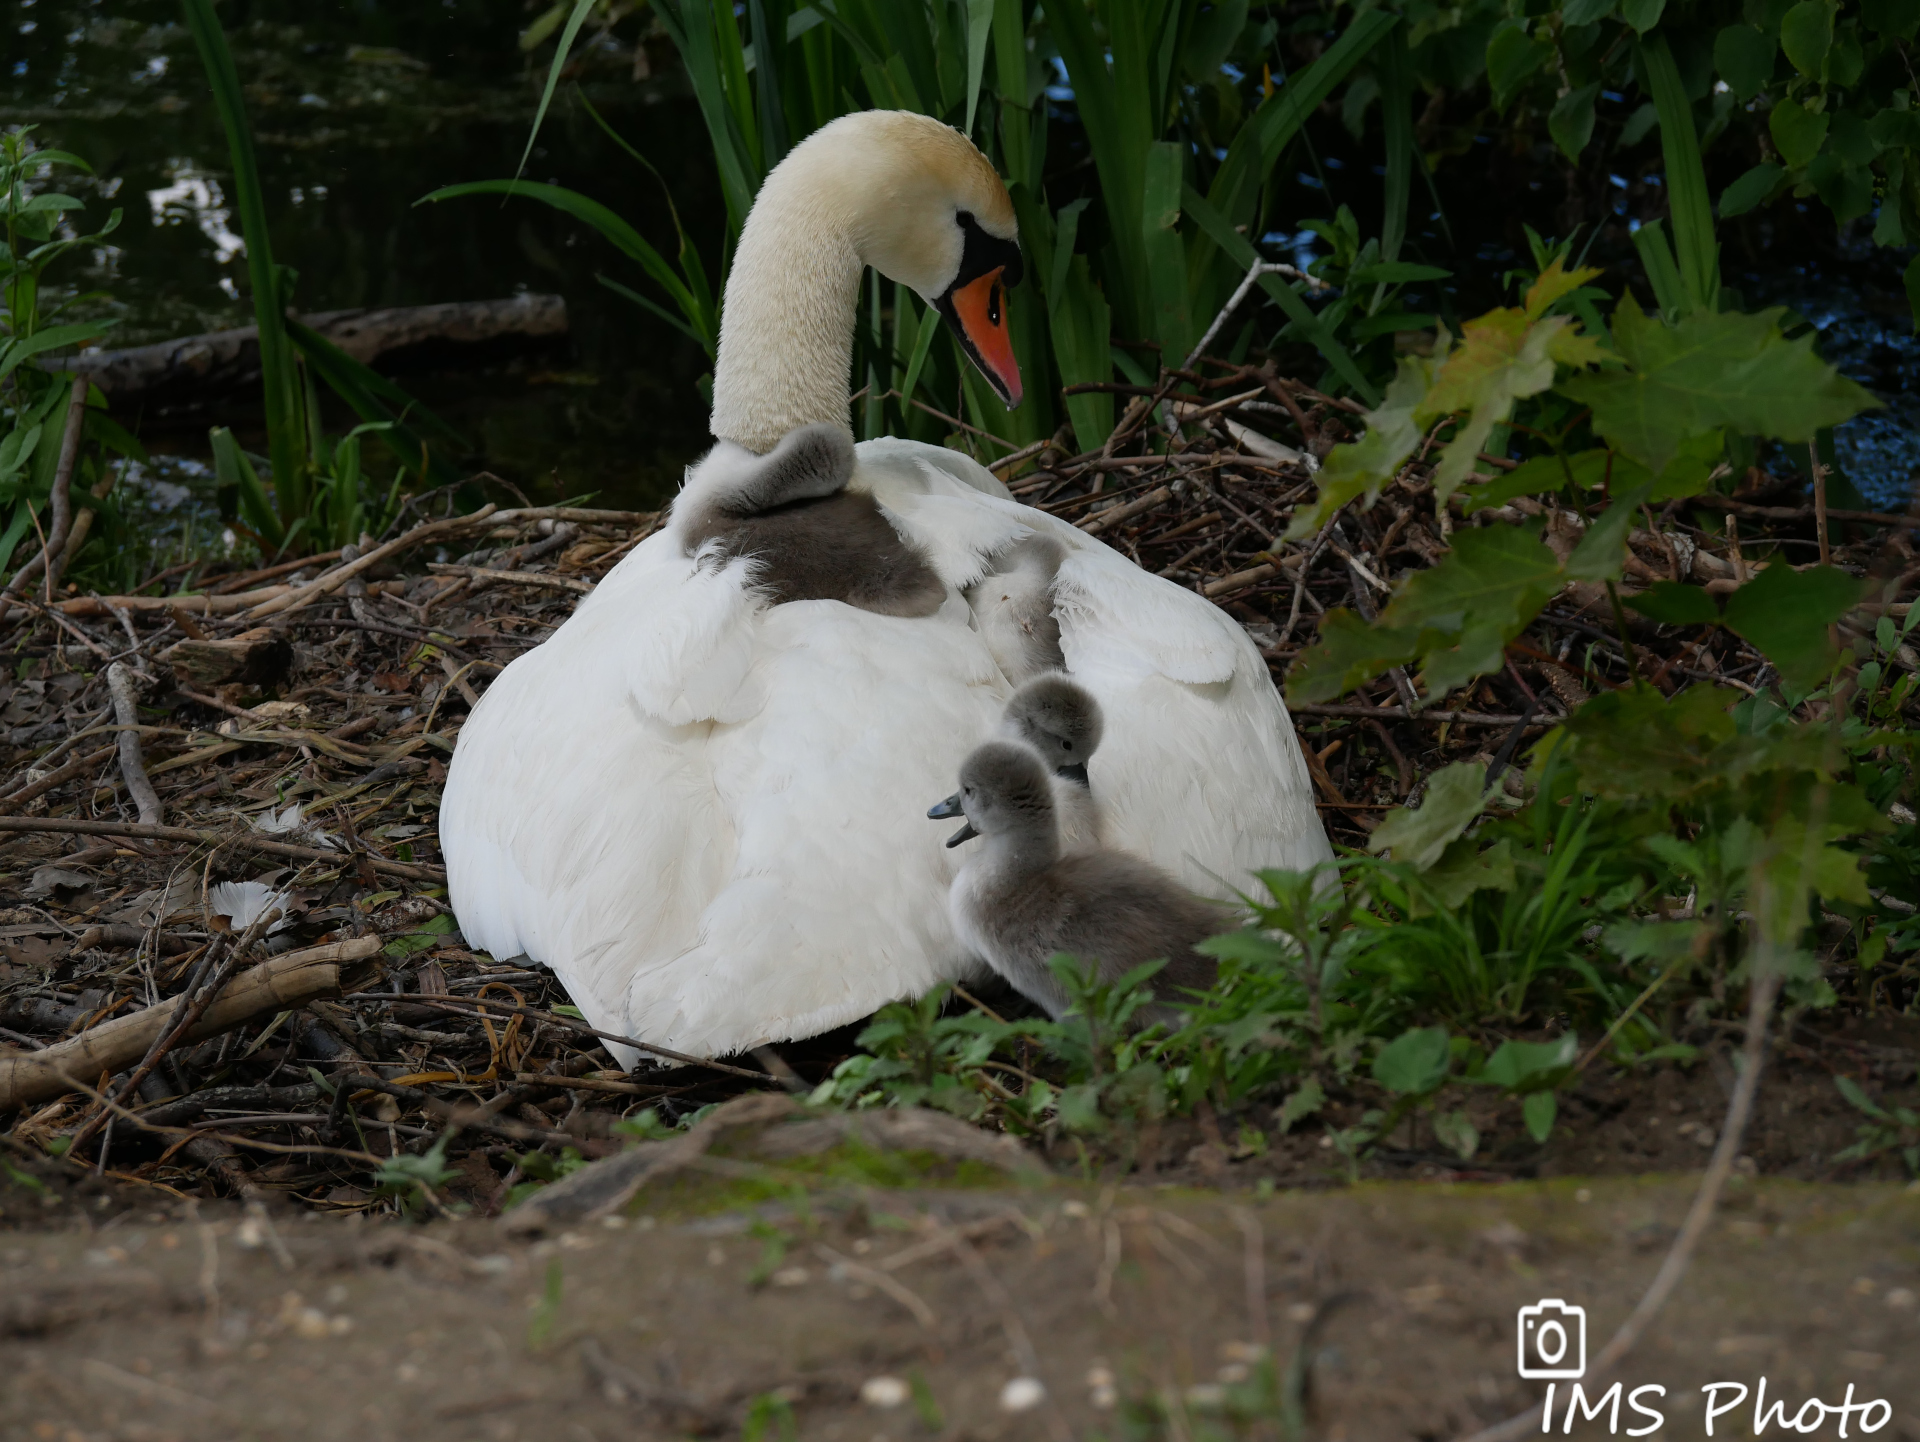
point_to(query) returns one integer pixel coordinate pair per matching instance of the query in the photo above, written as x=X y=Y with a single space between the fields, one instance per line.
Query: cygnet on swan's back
x=1061 y=721
x=812 y=538
x=1020 y=901
x=1013 y=604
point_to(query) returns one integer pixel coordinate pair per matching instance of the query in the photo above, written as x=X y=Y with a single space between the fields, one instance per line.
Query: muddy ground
x=760 y=1299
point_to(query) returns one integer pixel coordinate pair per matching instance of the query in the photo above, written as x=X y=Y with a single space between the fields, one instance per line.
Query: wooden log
x=281 y=984
x=231 y=358
x=258 y=657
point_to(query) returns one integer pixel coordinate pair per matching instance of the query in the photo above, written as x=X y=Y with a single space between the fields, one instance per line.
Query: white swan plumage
x=707 y=814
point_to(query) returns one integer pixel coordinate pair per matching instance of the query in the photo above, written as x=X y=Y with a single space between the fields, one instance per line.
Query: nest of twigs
x=208 y=992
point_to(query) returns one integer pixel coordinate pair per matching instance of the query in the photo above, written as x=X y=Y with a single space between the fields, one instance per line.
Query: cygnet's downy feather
x=1061 y=721
x=1013 y=605
x=1020 y=901
x=811 y=539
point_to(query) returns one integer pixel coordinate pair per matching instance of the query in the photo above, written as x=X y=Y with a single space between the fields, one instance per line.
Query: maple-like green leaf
x=1502 y=357
x=1491 y=585
x=1634 y=743
x=1463 y=868
x=1707 y=371
x=1456 y=794
x=1455 y=618
x=1552 y=284
x=1349 y=653
x=1362 y=467
x=1672 y=604
x=1786 y=614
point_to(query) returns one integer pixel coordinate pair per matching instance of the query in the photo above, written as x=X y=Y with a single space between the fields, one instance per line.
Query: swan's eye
x=1066 y=746
x=993 y=306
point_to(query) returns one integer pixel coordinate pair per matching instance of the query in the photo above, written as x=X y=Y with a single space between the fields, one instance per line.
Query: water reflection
x=359 y=109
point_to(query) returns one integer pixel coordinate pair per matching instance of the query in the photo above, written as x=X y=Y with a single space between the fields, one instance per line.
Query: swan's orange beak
x=978 y=313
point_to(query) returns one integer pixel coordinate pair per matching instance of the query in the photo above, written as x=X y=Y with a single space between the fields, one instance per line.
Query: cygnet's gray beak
x=948 y=808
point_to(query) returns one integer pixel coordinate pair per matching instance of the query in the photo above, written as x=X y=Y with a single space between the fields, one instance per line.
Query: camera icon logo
x=1553 y=1340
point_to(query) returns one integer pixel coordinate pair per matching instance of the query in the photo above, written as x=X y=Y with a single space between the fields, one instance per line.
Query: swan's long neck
x=786 y=327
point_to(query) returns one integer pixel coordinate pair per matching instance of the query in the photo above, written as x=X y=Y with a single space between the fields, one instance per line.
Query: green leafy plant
x=34 y=402
x=412 y=1180
x=1886 y=1129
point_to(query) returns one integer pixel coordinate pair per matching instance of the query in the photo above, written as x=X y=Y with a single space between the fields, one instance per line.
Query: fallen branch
x=133 y=770
x=281 y=984
x=511 y=578
x=198 y=837
x=228 y=358
x=340 y=575
x=1400 y=713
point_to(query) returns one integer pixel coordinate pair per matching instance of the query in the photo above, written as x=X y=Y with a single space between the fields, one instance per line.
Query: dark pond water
x=359 y=109
x=362 y=107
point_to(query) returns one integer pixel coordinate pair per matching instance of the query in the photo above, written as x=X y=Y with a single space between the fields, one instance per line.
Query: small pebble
x=1901 y=1299
x=1208 y=1396
x=1301 y=1312
x=1583 y=1195
x=1075 y=1209
x=1022 y=1394
x=884 y=1392
x=789 y=1277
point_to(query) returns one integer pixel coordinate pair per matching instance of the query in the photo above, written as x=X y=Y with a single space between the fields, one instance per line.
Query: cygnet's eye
x=1066 y=745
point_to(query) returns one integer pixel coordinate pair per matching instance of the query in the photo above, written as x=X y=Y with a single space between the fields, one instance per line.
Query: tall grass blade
x=1255 y=150
x=1017 y=121
x=1687 y=197
x=233 y=471
x=979 y=30
x=769 y=21
x=1670 y=290
x=699 y=322
x=691 y=24
x=922 y=347
x=1165 y=256
x=378 y=401
x=1396 y=112
x=692 y=270
x=279 y=384
x=567 y=36
x=1118 y=152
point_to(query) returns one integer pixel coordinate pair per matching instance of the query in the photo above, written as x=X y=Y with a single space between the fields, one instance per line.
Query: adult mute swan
x=705 y=811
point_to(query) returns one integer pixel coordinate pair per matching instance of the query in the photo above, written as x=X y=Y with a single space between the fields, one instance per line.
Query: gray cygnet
x=1061 y=721
x=1013 y=606
x=1020 y=901
x=812 y=538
